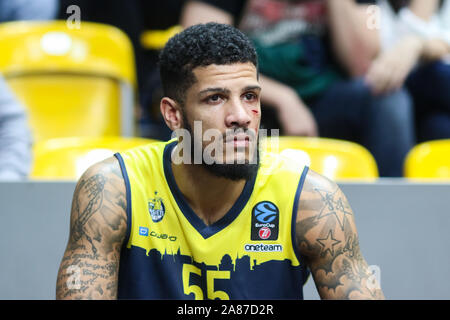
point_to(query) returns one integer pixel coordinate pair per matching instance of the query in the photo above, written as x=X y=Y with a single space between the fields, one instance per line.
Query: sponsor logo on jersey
x=143 y=231
x=264 y=233
x=156 y=208
x=262 y=247
x=163 y=236
x=265 y=221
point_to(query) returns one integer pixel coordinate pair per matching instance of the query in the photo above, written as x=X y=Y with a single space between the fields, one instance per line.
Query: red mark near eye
x=255 y=111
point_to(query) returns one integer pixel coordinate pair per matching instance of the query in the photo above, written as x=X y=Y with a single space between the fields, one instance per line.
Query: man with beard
x=226 y=222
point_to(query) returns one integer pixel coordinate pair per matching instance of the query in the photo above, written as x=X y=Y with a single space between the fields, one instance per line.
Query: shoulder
x=317 y=191
x=103 y=174
x=322 y=205
x=99 y=199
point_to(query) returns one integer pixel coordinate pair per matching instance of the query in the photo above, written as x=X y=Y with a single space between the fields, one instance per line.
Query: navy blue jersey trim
x=128 y=196
x=205 y=230
x=294 y=220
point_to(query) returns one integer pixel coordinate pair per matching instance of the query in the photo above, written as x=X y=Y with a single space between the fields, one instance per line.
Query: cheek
x=256 y=119
x=255 y=112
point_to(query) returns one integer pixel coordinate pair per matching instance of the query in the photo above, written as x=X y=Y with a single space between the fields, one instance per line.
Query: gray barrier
x=403 y=229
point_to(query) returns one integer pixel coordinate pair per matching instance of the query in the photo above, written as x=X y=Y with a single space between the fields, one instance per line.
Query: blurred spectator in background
x=135 y=17
x=416 y=52
x=15 y=140
x=313 y=55
x=11 y=10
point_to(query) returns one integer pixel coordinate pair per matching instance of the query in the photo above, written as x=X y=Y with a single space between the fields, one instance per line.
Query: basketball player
x=236 y=225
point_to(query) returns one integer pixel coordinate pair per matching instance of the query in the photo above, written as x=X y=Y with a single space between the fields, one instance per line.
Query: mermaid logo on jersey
x=156 y=208
x=265 y=221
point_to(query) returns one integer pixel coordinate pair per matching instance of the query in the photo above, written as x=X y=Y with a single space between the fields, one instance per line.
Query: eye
x=250 y=96
x=214 y=98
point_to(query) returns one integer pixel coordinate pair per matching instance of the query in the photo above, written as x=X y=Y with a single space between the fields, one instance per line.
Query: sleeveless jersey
x=170 y=253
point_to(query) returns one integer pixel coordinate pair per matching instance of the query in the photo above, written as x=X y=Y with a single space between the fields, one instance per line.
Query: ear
x=171 y=113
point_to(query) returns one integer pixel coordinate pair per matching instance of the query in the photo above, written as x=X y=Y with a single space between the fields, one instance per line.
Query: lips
x=238 y=141
x=238 y=138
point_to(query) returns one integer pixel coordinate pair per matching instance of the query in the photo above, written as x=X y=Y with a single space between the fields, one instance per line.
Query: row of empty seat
x=68 y=158
x=79 y=85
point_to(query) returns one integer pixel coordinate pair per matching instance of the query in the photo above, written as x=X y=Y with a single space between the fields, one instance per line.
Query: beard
x=235 y=171
x=231 y=171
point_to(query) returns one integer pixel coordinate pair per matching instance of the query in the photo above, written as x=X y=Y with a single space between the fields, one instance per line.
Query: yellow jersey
x=170 y=253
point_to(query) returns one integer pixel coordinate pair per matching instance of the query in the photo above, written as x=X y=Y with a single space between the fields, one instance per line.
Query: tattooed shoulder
x=100 y=191
x=97 y=231
x=326 y=236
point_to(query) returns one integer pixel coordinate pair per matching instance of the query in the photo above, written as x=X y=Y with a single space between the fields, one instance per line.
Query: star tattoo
x=328 y=243
x=333 y=205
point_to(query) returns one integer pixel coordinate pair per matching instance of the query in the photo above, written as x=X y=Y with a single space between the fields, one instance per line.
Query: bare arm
x=424 y=9
x=436 y=47
x=354 y=43
x=90 y=265
x=294 y=116
x=390 y=69
x=326 y=235
x=198 y=12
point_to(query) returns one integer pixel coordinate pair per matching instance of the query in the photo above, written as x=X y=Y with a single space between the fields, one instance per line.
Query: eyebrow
x=249 y=88
x=217 y=90
x=226 y=91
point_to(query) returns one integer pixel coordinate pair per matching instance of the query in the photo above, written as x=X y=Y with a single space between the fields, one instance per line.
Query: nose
x=238 y=115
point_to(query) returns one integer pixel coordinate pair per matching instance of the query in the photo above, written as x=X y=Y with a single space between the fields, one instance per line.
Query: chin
x=234 y=172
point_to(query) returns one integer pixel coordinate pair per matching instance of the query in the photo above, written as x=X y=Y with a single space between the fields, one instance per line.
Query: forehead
x=237 y=74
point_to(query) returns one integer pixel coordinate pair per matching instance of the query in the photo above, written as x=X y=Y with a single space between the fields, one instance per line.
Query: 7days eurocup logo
x=265 y=221
x=156 y=208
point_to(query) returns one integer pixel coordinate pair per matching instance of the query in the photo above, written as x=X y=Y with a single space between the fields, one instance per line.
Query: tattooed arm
x=90 y=265
x=326 y=235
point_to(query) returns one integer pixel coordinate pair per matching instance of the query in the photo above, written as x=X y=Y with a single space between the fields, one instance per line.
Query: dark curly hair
x=201 y=45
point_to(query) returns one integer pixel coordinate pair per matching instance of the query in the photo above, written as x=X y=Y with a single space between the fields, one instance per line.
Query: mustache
x=239 y=133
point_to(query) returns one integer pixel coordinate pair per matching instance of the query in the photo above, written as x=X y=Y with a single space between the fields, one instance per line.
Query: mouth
x=238 y=141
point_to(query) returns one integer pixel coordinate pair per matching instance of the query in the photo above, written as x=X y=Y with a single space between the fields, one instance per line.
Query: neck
x=209 y=196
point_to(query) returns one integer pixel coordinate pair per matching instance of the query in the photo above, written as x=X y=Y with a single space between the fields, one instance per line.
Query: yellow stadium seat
x=67 y=158
x=429 y=160
x=335 y=159
x=74 y=82
x=156 y=39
